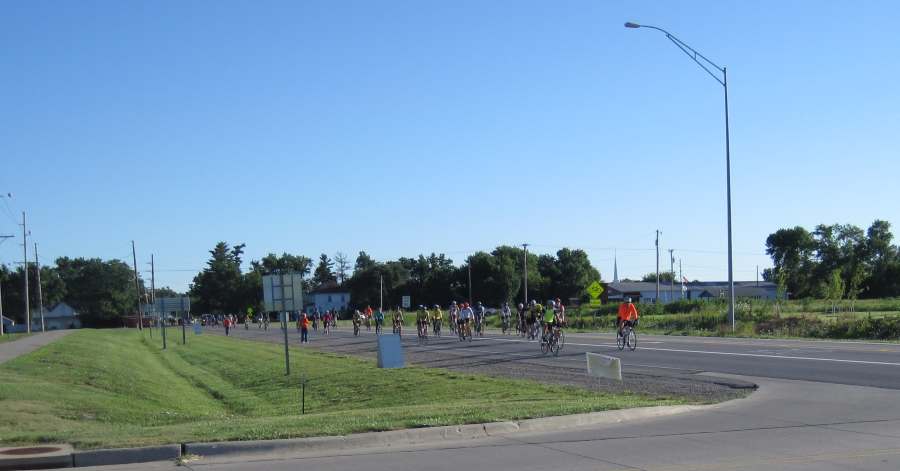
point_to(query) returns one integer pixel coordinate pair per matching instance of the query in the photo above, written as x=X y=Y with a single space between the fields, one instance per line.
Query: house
x=327 y=297
x=645 y=291
x=59 y=317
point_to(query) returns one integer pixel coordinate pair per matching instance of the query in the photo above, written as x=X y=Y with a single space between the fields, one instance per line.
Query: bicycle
x=505 y=325
x=422 y=330
x=378 y=326
x=398 y=327
x=552 y=341
x=355 y=328
x=626 y=337
x=465 y=332
x=479 y=326
x=436 y=328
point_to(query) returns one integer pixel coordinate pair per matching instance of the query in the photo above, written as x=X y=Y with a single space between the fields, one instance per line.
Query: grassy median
x=113 y=388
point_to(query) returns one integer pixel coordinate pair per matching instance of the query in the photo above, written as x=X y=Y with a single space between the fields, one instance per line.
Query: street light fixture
x=705 y=64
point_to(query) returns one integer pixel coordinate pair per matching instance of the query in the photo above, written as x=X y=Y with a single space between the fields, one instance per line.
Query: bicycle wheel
x=355 y=330
x=561 y=339
x=554 y=345
x=545 y=347
x=620 y=338
x=631 y=340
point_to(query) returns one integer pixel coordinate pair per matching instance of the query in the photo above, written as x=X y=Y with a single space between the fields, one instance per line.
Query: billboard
x=283 y=292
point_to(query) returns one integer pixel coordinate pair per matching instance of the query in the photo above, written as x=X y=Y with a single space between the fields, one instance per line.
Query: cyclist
x=326 y=324
x=550 y=319
x=422 y=321
x=437 y=318
x=531 y=319
x=505 y=314
x=379 y=321
x=628 y=315
x=479 y=318
x=454 y=316
x=560 y=312
x=398 y=320
x=464 y=325
x=520 y=314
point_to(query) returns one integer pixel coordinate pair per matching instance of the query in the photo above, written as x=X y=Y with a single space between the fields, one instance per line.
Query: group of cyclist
x=531 y=320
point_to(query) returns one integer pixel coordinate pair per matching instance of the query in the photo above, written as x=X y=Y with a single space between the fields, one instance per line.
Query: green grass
x=113 y=388
x=6 y=337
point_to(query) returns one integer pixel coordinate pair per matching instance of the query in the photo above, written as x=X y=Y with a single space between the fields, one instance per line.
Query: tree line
x=837 y=261
x=496 y=277
x=100 y=291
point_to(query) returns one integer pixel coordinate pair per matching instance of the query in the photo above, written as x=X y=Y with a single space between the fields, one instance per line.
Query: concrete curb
x=36 y=457
x=125 y=455
x=287 y=447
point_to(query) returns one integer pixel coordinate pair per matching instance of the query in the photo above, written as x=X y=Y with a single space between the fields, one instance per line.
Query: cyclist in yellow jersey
x=437 y=318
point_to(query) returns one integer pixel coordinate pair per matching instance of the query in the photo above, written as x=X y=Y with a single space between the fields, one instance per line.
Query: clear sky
x=400 y=127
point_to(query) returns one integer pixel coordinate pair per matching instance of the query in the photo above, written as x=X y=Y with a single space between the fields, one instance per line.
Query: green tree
x=101 y=291
x=791 y=251
x=664 y=276
x=324 y=271
x=575 y=273
x=220 y=287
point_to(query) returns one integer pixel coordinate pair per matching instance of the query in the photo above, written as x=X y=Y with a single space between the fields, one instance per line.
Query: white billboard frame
x=282 y=292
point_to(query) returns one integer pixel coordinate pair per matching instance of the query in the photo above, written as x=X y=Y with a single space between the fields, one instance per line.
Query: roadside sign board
x=406 y=302
x=283 y=292
x=594 y=290
x=390 y=352
x=602 y=366
x=178 y=305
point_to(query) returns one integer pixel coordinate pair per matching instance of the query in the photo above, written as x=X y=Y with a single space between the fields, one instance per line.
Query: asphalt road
x=850 y=363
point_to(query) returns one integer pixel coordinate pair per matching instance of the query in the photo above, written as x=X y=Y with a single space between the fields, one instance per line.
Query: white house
x=61 y=316
x=326 y=298
x=645 y=292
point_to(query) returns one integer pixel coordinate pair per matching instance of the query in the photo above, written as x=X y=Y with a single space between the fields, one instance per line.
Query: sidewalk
x=10 y=350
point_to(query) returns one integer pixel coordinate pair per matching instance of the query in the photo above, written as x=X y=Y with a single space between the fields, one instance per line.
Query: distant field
x=113 y=388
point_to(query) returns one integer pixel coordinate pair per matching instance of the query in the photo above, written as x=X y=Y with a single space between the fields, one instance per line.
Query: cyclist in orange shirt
x=627 y=313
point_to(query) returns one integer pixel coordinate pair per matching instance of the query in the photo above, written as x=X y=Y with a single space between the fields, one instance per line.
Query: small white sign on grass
x=602 y=366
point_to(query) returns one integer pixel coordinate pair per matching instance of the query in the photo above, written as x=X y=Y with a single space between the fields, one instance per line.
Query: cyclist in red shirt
x=627 y=313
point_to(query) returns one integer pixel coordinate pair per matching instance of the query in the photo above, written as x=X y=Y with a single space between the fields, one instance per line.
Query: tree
x=664 y=276
x=363 y=262
x=286 y=262
x=323 y=273
x=220 y=288
x=101 y=291
x=342 y=264
x=791 y=251
x=575 y=273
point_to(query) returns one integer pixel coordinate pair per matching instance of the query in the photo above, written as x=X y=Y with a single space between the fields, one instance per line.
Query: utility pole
x=137 y=289
x=525 y=248
x=672 y=270
x=681 y=277
x=470 y=280
x=162 y=323
x=757 y=276
x=37 y=266
x=2 y=332
x=381 y=293
x=656 y=301
x=25 y=264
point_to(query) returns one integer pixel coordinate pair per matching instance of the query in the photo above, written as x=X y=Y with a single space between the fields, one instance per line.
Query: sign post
x=283 y=293
x=406 y=302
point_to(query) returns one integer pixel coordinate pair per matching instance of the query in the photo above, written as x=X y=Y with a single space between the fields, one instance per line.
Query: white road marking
x=756 y=355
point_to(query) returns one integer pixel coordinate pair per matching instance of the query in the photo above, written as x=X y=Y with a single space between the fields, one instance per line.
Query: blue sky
x=400 y=127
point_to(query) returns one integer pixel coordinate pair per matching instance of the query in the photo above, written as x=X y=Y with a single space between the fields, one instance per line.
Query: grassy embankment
x=871 y=319
x=112 y=388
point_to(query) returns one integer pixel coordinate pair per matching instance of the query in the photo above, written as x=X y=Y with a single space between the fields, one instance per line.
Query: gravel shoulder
x=518 y=361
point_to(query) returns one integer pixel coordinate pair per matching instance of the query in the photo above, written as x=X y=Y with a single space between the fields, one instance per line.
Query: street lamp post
x=704 y=63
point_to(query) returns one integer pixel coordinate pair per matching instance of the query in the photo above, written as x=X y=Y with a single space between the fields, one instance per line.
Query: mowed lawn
x=116 y=388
